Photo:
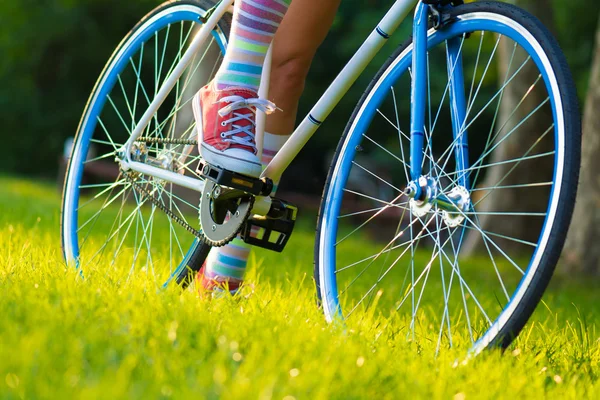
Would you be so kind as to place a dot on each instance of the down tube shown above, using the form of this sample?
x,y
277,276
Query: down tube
x,y
458,107
339,87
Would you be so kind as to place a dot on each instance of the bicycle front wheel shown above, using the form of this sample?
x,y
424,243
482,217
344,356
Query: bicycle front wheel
x,y
120,223
468,278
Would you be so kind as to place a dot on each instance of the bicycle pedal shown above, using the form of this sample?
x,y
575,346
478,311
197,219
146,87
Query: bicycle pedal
x,y
271,232
223,177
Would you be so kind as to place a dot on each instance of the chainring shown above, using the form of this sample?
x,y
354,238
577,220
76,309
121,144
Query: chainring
x,y
222,220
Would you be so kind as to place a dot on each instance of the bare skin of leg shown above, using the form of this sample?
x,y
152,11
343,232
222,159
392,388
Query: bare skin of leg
x,y
301,32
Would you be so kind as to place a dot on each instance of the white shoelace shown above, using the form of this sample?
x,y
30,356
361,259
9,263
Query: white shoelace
x,y
236,103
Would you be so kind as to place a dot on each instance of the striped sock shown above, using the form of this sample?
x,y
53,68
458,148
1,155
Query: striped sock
x,y
254,25
228,263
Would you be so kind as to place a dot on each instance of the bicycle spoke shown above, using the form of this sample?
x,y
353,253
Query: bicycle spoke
x,y
105,205
524,185
534,245
493,261
447,88
361,212
445,291
448,152
373,259
383,275
485,71
377,176
475,67
399,131
386,150
116,110
370,219
409,242
445,255
456,270
89,231
507,174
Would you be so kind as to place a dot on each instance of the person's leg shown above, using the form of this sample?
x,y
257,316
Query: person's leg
x,y
225,109
226,266
301,32
252,31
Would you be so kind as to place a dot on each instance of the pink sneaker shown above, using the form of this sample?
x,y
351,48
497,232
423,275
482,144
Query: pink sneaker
x,y
226,121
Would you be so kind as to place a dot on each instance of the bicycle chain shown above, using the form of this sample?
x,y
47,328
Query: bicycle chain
x,y
147,195
157,140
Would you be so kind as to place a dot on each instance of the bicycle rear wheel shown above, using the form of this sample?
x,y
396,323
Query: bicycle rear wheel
x,y
470,278
120,223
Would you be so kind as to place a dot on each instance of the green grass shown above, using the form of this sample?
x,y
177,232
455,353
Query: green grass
x,y
64,337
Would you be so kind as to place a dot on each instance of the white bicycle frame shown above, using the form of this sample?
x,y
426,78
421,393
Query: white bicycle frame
x,y
309,125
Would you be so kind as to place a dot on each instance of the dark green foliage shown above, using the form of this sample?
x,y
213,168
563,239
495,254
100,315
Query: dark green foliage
x,y
576,24
52,51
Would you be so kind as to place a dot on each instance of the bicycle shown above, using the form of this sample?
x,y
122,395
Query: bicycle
x,y
138,121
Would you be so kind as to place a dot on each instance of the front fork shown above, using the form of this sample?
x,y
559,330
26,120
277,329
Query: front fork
x,y
423,188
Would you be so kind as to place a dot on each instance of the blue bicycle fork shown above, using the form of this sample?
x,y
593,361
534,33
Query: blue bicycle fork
x,y
425,188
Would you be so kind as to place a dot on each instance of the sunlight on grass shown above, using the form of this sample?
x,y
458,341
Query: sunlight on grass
x,y
102,337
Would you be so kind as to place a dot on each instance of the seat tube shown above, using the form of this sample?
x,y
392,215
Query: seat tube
x,y
458,107
418,96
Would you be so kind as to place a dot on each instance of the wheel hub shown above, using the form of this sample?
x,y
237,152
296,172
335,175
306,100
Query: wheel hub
x,y
459,195
419,208
425,193
139,152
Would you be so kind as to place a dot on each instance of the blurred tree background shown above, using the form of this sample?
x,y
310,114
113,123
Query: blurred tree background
x,y
52,51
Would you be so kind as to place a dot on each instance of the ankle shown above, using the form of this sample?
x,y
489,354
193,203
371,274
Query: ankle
x,y
210,282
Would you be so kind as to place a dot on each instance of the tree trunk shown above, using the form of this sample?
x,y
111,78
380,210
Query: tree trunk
x,y
515,107
582,250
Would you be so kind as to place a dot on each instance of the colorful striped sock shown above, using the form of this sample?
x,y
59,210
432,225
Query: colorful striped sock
x,y
254,25
228,263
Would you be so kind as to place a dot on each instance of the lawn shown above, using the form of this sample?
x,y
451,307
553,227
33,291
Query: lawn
x,y
66,337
